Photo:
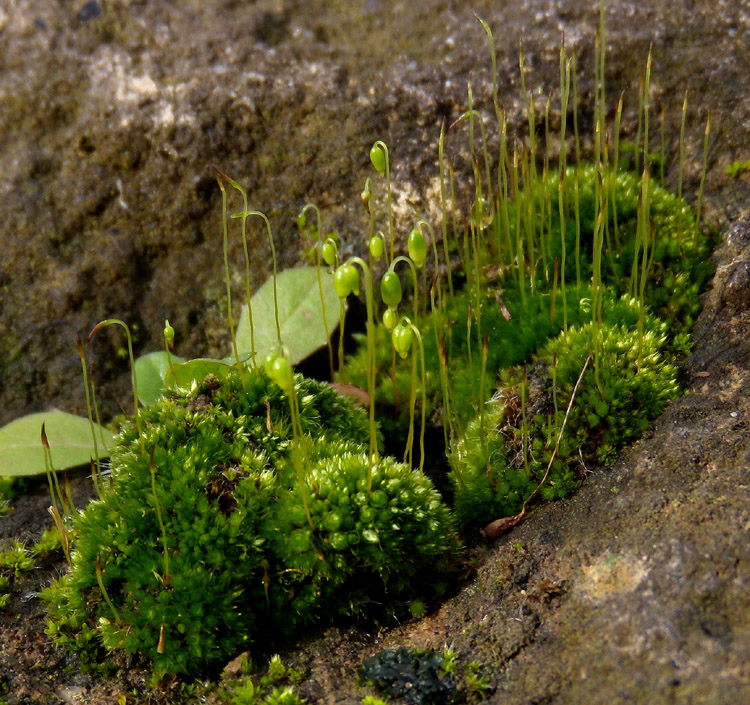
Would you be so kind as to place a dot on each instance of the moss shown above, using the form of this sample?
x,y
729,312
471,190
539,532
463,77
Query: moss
x,y
681,256
15,562
368,545
273,687
498,465
517,324
235,565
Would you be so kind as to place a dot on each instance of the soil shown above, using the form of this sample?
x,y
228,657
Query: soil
x,y
634,590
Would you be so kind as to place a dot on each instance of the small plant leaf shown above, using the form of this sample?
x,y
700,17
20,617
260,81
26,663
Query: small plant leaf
x,y
151,370
69,438
300,315
184,373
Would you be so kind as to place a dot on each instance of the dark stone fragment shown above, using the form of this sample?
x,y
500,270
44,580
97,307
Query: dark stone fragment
x,y
737,292
411,674
90,11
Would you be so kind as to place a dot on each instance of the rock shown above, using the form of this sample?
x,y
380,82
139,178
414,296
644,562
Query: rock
x,y
234,667
72,695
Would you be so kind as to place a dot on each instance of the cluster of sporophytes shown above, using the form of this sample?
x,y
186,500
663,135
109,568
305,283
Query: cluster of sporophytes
x,y
580,284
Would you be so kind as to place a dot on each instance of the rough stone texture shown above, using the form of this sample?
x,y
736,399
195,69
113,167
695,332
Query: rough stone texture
x,y
636,589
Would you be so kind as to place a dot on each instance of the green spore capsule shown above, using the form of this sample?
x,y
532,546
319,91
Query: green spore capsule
x,y
328,252
390,289
281,373
268,363
402,338
377,247
377,157
365,196
168,333
417,247
390,319
346,280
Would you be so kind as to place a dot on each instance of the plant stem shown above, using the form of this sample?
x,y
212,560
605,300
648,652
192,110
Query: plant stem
x,y
424,399
320,282
371,362
384,147
96,466
134,380
703,171
225,246
105,594
682,144
297,451
444,209
248,297
245,214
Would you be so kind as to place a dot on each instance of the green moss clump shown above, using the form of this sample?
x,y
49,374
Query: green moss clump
x,y
274,687
15,562
502,458
229,563
365,541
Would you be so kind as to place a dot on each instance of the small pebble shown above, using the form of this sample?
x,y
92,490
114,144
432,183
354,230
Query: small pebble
x,y
234,667
90,11
71,694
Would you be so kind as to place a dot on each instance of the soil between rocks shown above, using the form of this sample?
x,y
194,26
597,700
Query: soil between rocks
x,y
635,589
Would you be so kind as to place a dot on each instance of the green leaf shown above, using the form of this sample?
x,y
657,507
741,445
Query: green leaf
x,y
184,373
151,370
300,315
69,439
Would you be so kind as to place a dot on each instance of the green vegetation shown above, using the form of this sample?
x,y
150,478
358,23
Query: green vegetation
x,y
14,563
737,168
274,687
244,500
203,543
416,675
501,459
562,265
424,676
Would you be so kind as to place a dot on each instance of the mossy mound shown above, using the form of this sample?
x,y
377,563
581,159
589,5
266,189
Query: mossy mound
x,y
202,543
504,454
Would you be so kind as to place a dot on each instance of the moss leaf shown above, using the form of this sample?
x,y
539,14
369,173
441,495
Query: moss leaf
x,y
300,315
69,438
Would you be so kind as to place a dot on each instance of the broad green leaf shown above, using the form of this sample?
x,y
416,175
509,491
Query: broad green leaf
x,y
150,370
183,374
300,315
69,438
